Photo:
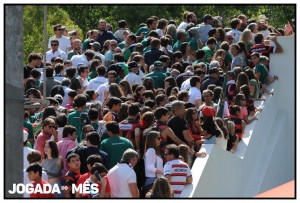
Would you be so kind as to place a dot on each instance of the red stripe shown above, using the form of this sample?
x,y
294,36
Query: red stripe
x,y
178,174
177,183
177,191
179,165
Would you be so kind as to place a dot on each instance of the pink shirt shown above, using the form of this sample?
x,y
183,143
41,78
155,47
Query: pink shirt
x,y
244,112
40,142
65,145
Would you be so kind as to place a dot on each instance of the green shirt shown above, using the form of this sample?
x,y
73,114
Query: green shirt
x,y
142,29
70,54
176,46
125,68
228,58
85,43
93,74
28,125
260,68
115,146
193,44
208,52
74,120
158,77
122,44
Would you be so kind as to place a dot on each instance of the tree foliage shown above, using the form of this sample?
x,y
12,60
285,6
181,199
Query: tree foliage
x,y
33,19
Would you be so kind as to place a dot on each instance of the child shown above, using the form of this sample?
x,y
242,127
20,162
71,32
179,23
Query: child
x,y
235,112
35,174
240,100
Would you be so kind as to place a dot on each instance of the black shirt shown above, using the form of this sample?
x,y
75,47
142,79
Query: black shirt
x,y
178,125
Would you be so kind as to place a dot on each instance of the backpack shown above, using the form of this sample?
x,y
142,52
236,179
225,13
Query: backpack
x,y
84,119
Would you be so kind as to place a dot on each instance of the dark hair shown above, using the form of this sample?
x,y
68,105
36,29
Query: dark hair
x,y
53,147
72,155
49,111
93,137
193,81
211,40
160,111
98,167
149,93
233,109
94,158
35,167
258,38
122,23
68,130
189,115
159,99
113,127
200,53
148,83
70,72
113,101
183,47
80,100
234,23
93,114
150,103
173,149
61,120
35,73
49,72
81,69
134,109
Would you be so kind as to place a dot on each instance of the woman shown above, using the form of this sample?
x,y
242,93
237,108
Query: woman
x,y
125,86
240,100
170,83
242,79
243,53
191,116
254,86
171,30
184,152
153,161
245,89
115,90
236,59
187,56
246,37
138,92
222,140
161,189
53,164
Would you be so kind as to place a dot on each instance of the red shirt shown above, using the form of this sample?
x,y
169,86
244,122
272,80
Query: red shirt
x,y
38,194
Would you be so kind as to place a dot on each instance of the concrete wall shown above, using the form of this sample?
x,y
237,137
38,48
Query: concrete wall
x,y
269,157
13,97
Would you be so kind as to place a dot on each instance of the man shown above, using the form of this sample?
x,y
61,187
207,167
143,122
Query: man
x,y
74,117
176,171
55,51
195,96
189,72
96,47
83,59
157,75
76,49
64,43
92,147
93,36
35,174
205,27
132,76
190,18
213,78
234,32
104,34
153,55
102,90
122,28
115,145
122,178
130,46
181,37
178,124
201,56
210,49
66,84
99,80
208,99
119,60
83,74
109,55
72,175
244,22
67,143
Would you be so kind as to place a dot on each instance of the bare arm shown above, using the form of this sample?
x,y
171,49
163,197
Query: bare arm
x,y
189,180
169,133
134,190
278,47
187,137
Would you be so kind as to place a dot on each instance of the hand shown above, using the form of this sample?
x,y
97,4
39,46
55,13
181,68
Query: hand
x,y
106,93
159,172
201,154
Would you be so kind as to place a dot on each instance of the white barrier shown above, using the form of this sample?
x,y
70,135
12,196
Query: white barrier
x,y
266,156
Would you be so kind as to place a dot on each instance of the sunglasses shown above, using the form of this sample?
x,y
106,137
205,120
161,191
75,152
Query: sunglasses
x,y
54,45
159,138
229,38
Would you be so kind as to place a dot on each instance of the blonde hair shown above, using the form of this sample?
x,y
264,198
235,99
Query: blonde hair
x,y
184,152
246,36
230,126
162,188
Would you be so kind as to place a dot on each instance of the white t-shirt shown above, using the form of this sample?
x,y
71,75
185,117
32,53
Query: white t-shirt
x,y
194,94
64,43
182,26
221,141
133,78
66,97
96,82
101,90
179,172
185,85
58,53
77,59
26,151
236,34
152,163
119,177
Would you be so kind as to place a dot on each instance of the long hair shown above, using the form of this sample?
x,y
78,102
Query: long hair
x,y
115,90
246,37
184,152
54,149
242,79
189,115
151,142
161,188
222,126
127,89
172,83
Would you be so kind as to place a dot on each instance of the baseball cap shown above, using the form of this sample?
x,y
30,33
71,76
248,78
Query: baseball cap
x,y
209,111
132,64
59,98
157,63
96,45
63,27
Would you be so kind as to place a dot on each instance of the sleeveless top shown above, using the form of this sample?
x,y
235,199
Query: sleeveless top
x,y
51,167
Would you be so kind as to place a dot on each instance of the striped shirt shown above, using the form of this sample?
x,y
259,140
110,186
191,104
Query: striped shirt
x,y
179,172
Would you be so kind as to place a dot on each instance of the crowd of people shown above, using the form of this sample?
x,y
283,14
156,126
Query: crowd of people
x,y
130,111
